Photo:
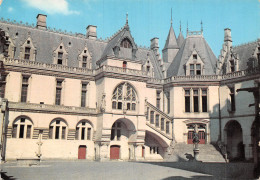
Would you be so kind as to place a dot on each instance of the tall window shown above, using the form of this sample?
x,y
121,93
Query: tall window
x,y
187,100
83,131
116,131
204,100
232,99
147,114
27,53
167,127
124,97
58,130
126,43
2,86
24,89
84,61
158,99
60,58
22,128
152,117
232,65
58,92
83,94
162,124
157,117
196,100
195,69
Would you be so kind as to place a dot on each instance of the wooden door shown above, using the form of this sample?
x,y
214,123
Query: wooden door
x,y
82,152
202,137
190,137
114,152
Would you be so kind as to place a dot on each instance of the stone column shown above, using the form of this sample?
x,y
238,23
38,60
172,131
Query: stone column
x,y
248,151
103,151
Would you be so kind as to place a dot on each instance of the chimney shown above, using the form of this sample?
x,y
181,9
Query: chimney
x,y
155,44
227,37
92,32
41,21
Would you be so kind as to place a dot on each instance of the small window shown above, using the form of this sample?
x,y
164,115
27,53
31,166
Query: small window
x,y
28,42
124,64
85,51
60,47
194,56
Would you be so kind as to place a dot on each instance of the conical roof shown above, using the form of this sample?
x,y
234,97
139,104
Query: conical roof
x,y
171,42
180,39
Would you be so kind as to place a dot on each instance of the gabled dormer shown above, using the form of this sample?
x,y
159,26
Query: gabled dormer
x,y
194,65
148,66
85,59
9,47
28,50
60,55
256,56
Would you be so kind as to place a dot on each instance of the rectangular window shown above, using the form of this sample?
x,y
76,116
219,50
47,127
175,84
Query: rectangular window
x,y
77,133
57,132
232,99
128,106
133,106
27,53
119,105
192,69
196,100
232,65
194,56
198,69
50,132
157,120
14,131
158,99
187,100
114,104
28,132
63,134
21,131
24,89
118,134
60,56
147,114
84,61
82,133
162,124
167,127
2,88
89,134
83,95
58,92
152,117
204,100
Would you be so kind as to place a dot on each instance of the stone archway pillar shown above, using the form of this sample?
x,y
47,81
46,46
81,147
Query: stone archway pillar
x,y
248,147
138,151
102,151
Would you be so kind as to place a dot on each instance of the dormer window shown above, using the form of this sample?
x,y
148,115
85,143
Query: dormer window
x,y
194,56
232,65
60,56
148,68
28,42
198,69
126,44
195,69
84,61
60,47
27,52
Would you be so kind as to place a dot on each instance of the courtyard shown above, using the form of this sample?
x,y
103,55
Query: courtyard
x,y
126,170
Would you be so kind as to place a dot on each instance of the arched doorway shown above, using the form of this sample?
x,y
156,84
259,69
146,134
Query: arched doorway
x,y
82,152
114,152
201,132
234,141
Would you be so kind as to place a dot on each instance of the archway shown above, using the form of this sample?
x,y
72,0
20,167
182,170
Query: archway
x,y
234,141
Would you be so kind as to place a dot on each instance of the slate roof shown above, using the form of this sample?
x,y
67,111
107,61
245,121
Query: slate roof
x,y
171,42
47,41
180,39
198,43
244,52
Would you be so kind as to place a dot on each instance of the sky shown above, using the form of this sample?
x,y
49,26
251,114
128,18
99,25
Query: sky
x,y
147,18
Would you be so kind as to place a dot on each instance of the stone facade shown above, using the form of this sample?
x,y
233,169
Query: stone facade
x,y
72,96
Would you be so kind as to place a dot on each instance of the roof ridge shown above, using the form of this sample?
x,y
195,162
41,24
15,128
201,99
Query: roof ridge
x,y
245,44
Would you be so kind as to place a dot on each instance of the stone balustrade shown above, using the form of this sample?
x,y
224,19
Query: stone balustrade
x,y
51,108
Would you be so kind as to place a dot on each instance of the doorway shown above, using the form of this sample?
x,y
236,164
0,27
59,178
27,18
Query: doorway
x,y
82,152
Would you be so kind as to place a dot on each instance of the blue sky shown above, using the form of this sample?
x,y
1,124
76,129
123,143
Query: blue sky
x,y
147,18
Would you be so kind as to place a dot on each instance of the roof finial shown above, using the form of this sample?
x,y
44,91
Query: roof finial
x,y
171,16
187,28
201,26
127,18
180,26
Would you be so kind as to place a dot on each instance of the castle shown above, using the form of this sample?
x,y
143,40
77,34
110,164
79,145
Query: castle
x,y
74,96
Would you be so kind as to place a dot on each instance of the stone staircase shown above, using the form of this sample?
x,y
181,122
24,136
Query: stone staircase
x,y
184,152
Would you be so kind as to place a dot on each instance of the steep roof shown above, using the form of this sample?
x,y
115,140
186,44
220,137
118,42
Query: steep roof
x,y
198,43
180,39
245,51
171,42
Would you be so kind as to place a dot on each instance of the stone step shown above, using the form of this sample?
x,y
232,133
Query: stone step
x,y
184,152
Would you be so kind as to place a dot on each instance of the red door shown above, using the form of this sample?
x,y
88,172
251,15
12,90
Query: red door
x,y
82,152
190,137
202,137
114,152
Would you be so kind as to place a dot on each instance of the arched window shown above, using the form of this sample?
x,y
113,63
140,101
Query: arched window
x,y
22,128
58,129
126,43
124,97
83,131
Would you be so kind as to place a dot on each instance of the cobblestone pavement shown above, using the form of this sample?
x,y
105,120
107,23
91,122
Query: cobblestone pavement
x,y
73,170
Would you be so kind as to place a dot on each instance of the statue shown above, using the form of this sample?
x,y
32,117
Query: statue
x,y
103,103
196,142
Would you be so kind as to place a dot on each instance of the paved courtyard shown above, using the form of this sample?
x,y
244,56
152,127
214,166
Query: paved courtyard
x,y
64,170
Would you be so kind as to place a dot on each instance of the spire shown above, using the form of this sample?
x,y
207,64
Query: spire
x,y
180,26
201,26
126,18
187,29
171,16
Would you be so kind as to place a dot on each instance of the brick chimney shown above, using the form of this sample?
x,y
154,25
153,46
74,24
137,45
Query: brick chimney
x,y
155,44
92,32
41,21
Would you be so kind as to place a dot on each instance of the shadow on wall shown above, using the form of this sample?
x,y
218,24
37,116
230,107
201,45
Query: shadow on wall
x,y
213,170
